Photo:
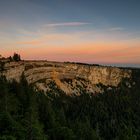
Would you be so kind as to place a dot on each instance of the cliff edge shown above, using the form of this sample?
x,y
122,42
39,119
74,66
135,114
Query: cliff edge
x,y
69,77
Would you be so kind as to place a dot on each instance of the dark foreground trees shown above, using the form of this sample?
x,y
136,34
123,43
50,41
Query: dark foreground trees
x,y
28,115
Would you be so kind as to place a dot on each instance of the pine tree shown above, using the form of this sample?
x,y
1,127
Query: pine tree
x,y
16,57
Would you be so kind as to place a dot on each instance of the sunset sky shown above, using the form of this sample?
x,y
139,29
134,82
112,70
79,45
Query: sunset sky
x,y
92,31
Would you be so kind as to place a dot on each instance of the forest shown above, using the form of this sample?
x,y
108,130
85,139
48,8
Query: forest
x,y
27,114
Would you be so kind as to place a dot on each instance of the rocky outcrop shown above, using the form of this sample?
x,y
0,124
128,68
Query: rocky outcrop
x,y
67,76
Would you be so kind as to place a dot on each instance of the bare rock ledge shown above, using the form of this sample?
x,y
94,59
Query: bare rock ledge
x,y
65,75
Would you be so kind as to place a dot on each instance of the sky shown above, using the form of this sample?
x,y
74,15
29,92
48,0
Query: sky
x,y
89,31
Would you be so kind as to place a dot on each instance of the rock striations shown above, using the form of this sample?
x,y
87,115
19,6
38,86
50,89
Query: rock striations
x,y
69,77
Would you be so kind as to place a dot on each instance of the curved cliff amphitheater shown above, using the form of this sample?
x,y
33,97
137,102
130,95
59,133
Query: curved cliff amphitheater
x,y
69,77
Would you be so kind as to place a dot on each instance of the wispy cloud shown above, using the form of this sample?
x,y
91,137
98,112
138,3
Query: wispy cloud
x,y
116,29
66,24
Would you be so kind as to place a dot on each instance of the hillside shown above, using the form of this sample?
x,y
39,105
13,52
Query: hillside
x,y
69,69
71,78
39,101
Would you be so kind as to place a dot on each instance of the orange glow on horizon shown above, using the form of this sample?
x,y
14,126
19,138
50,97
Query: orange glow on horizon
x,y
88,52
75,47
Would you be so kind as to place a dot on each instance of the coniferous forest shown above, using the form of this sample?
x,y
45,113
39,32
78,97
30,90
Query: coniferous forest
x,y
26,114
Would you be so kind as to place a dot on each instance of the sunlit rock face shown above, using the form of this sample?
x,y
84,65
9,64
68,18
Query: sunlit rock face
x,y
71,78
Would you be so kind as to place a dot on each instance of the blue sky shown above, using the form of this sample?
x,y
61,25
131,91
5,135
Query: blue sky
x,y
31,24
101,13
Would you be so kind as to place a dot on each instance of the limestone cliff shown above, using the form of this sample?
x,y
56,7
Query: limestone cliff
x,y
69,77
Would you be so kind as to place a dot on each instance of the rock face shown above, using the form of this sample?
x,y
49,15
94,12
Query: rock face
x,y
69,77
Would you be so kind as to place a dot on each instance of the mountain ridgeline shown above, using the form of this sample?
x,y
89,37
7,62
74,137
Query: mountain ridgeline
x,y
41,100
